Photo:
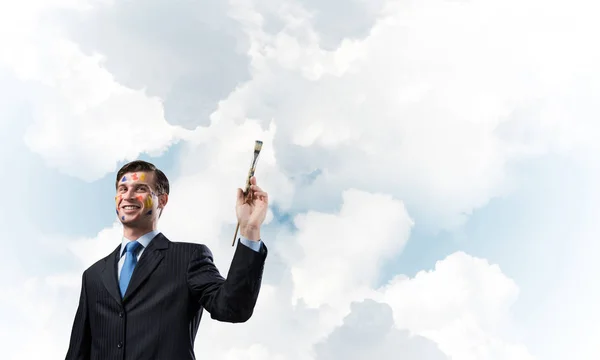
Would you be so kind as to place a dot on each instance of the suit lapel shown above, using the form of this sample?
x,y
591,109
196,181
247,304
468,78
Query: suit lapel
x,y
109,275
151,257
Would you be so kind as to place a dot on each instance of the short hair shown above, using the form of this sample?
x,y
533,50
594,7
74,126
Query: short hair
x,y
161,183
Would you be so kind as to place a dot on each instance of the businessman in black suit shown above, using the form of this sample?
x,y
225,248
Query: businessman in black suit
x,y
145,300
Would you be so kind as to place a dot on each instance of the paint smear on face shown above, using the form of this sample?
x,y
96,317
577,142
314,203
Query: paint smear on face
x,y
140,198
117,199
143,177
149,212
134,177
124,179
123,218
148,203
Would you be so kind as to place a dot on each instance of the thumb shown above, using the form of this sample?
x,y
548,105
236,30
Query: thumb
x,y
240,196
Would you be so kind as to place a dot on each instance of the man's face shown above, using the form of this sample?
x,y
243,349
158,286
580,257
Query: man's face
x,y
136,201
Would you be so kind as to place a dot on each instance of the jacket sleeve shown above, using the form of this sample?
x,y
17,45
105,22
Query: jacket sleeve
x,y
80,342
231,299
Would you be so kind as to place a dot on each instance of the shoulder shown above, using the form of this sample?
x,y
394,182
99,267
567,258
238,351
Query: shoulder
x,y
98,267
188,250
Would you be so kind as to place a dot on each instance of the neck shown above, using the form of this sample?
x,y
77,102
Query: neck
x,y
134,233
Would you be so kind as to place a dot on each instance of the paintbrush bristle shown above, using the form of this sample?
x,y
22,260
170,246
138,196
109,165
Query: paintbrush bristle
x,y
257,145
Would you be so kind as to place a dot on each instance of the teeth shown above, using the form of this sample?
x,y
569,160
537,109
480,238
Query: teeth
x,y
129,207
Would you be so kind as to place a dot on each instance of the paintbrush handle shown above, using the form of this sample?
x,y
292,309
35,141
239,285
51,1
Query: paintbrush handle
x,y
246,193
257,148
238,225
250,174
235,235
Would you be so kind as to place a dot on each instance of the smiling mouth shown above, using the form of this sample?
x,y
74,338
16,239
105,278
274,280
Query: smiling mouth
x,y
130,207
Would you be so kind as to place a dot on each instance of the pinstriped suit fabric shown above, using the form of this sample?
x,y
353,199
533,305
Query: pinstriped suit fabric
x,y
159,315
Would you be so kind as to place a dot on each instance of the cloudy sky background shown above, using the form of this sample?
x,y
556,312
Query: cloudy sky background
x,y
432,167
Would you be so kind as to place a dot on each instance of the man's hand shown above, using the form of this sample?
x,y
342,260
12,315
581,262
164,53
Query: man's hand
x,y
251,210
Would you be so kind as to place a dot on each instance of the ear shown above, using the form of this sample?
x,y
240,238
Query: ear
x,y
163,200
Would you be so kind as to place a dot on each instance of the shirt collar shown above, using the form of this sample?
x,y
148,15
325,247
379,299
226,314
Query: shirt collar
x,y
144,240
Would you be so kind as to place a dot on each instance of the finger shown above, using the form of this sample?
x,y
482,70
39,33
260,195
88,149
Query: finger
x,y
261,198
240,198
255,188
258,194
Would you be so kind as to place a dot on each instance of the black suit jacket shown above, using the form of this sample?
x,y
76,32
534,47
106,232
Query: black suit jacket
x,y
159,315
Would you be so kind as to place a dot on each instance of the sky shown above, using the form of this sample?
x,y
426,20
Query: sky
x,y
431,167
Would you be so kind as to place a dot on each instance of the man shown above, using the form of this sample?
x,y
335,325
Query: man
x,y
145,299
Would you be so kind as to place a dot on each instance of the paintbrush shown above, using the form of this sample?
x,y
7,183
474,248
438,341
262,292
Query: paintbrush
x,y
257,148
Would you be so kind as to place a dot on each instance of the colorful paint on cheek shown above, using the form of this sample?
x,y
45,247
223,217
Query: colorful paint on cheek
x,y
123,218
140,198
148,203
149,212
117,199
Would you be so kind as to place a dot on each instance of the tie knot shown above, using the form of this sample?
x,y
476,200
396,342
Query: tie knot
x,y
132,246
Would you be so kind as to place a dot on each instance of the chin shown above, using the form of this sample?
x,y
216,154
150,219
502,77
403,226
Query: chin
x,y
129,218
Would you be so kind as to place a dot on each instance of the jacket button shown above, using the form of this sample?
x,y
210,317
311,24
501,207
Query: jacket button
x,y
120,345
121,314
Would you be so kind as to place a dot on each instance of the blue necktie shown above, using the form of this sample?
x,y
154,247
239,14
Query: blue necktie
x,y
128,265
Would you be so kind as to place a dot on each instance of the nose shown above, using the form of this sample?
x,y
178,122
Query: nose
x,y
129,194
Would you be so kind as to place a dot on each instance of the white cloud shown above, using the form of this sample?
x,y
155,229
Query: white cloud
x,y
370,105
214,163
88,251
337,258
431,107
429,79
313,275
463,305
41,309
433,305
84,121
562,322
368,333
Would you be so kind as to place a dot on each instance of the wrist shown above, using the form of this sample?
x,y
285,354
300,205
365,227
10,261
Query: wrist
x,y
251,233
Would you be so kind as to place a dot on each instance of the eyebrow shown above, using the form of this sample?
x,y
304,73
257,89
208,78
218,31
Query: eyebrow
x,y
135,185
